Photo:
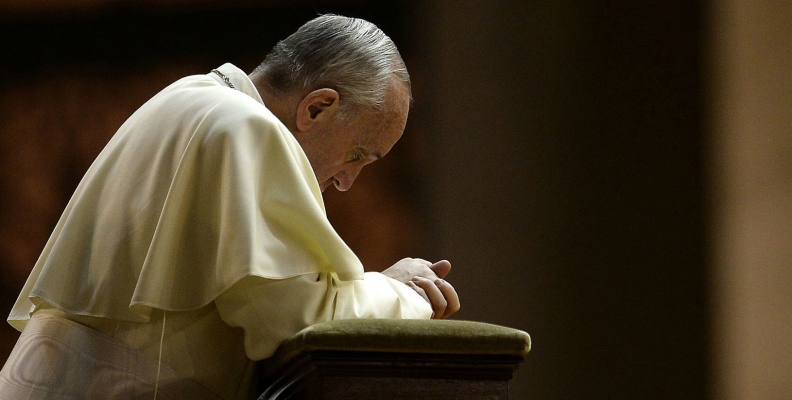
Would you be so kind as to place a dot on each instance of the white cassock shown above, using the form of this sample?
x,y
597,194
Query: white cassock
x,y
196,243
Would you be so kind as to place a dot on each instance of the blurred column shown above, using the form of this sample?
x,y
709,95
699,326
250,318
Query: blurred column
x,y
751,160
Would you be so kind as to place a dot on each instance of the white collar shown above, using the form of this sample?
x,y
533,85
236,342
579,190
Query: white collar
x,y
240,80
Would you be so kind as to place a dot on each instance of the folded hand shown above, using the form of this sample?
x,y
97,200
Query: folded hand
x,y
427,280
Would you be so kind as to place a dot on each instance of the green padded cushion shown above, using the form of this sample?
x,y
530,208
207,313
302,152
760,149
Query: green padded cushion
x,y
405,336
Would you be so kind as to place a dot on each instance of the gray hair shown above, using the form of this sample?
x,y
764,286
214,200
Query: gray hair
x,y
349,55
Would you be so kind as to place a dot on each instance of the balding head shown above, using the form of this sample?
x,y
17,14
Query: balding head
x,y
348,55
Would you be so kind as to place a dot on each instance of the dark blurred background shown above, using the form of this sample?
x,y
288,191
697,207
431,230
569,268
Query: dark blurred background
x,y
613,177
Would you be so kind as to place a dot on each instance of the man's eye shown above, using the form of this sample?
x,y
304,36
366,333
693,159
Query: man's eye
x,y
356,157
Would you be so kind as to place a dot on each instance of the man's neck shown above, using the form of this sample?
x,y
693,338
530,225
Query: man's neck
x,y
283,107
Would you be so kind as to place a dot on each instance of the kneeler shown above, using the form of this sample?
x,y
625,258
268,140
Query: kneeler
x,y
395,359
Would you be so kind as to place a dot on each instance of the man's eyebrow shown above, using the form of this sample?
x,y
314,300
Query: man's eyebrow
x,y
366,151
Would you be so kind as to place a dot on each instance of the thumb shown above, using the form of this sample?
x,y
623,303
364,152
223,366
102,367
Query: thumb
x,y
441,268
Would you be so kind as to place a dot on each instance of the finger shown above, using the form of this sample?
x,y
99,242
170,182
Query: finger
x,y
441,268
418,290
425,271
428,274
450,294
435,296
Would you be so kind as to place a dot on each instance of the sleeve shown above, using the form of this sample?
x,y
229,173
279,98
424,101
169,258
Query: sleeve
x,y
271,311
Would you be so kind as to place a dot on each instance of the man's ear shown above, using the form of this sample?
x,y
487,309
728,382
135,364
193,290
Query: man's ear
x,y
318,106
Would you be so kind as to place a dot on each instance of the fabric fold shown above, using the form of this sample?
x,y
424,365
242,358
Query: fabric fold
x,y
201,187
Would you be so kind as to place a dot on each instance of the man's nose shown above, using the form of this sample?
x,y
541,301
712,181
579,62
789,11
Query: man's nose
x,y
345,178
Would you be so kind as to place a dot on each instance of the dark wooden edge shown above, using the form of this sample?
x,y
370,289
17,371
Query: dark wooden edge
x,y
310,366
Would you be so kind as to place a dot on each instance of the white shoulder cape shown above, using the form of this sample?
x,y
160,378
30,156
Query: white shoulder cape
x,y
199,188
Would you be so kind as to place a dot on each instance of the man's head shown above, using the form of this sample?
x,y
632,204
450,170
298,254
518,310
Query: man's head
x,y
341,87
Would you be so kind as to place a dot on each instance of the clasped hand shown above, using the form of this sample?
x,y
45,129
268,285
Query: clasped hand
x,y
427,280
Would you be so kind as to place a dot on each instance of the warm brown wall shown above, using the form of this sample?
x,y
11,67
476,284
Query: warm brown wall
x,y
750,52
555,154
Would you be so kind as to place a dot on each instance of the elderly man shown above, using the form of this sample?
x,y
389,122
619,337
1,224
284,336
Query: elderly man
x,y
198,241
